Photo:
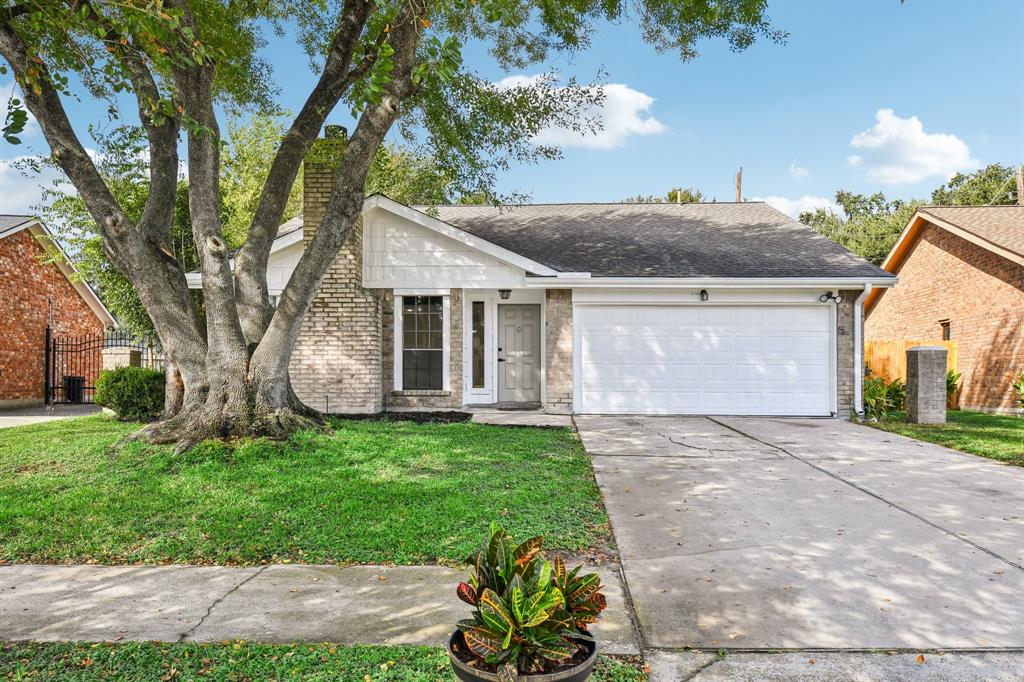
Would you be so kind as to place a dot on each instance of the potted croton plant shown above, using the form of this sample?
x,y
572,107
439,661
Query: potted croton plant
x,y
530,616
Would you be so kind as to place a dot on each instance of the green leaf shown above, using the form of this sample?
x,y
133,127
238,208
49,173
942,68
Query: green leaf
x,y
481,642
586,586
527,550
494,613
508,672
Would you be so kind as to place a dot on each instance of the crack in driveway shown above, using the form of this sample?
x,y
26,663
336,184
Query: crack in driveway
x,y
871,493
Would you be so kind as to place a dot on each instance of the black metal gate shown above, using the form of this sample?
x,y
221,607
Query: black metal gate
x,y
73,363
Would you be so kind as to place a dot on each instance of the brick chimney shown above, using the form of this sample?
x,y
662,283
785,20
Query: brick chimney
x,y
336,365
318,177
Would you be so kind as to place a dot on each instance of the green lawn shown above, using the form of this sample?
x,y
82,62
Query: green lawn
x,y
366,492
148,661
998,437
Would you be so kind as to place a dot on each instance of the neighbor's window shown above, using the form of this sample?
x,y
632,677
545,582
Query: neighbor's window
x,y
478,344
945,329
422,343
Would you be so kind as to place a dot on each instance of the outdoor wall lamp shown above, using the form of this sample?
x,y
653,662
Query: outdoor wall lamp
x,y
703,294
504,293
830,296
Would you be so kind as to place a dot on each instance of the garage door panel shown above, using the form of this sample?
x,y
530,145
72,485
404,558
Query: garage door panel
x,y
705,359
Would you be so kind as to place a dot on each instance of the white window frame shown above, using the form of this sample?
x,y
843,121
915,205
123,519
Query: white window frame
x,y
446,334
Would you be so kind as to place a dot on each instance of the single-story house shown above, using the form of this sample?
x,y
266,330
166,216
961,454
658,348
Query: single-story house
x,y
39,288
715,308
961,271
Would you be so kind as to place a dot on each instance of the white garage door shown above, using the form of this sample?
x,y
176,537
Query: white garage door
x,y
754,360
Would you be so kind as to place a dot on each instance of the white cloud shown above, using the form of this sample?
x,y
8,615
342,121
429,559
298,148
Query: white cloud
x,y
898,150
796,171
623,114
21,189
794,207
18,193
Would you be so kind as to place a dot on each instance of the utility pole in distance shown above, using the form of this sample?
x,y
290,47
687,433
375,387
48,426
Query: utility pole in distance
x,y
739,185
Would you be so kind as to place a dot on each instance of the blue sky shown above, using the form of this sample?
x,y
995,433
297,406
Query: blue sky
x,y
865,96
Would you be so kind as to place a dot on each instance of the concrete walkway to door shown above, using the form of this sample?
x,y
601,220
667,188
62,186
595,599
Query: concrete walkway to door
x,y
755,533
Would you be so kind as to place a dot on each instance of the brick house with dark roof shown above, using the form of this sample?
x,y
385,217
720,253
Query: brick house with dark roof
x,y
961,273
38,287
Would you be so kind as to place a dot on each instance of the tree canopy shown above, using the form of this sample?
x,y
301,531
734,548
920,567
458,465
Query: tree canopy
x,y
870,224
391,63
677,195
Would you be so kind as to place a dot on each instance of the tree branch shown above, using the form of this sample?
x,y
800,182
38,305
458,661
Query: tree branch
x,y
158,279
158,211
251,260
345,205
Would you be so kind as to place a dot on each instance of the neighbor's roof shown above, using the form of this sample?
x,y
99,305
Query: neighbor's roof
x,y
9,224
743,240
12,224
999,225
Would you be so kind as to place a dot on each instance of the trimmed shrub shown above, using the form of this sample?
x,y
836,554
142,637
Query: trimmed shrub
x,y
133,393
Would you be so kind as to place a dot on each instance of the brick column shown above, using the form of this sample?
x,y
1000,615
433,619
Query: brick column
x,y
926,385
121,357
558,351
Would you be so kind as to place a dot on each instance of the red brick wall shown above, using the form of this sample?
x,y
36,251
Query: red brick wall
x,y
27,286
979,292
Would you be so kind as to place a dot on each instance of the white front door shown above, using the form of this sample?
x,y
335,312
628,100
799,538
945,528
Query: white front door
x,y
519,353
672,359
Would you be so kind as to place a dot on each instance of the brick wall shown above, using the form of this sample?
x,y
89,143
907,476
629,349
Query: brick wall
x,y
558,351
336,364
845,359
436,400
27,289
982,296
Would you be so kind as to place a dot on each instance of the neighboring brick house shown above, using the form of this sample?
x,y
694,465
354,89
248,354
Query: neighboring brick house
x,y
589,308
961,273
37,288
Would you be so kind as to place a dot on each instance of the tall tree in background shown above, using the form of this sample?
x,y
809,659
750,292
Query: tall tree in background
x,y
397,61
869,225
992,185
678,195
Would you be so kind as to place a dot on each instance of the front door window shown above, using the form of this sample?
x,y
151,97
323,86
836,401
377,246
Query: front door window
x,y
479,345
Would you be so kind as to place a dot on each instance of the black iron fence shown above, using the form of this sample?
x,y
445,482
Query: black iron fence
x,y
73,363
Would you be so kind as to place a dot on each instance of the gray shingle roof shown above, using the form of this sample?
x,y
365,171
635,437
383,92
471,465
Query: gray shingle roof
x,y
749,239
8,221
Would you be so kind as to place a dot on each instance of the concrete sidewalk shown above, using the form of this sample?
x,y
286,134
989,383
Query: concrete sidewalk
x,y
276,603
22,416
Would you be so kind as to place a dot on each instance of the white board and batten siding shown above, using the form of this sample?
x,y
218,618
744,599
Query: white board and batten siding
x,y
705,359
398,253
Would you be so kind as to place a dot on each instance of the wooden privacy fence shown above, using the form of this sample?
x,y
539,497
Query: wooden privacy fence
x,y
889,358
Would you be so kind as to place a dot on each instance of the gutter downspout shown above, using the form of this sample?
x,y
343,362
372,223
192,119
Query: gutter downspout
x,y
858,351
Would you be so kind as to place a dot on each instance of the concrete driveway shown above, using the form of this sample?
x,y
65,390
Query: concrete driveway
x,y
754,533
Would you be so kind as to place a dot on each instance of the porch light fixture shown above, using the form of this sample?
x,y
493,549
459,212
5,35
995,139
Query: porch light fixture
x,y
504,293
829,296
703,294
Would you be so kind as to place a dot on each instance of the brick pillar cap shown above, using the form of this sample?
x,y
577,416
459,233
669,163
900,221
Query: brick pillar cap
x,y
926,349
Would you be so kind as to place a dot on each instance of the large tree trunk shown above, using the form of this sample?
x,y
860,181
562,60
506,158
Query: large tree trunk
x,y
233,381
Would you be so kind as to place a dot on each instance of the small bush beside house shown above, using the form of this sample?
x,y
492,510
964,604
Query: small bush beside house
x,y
133,393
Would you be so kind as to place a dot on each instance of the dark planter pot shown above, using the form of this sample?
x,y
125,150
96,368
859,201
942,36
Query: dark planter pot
x,y
465,673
